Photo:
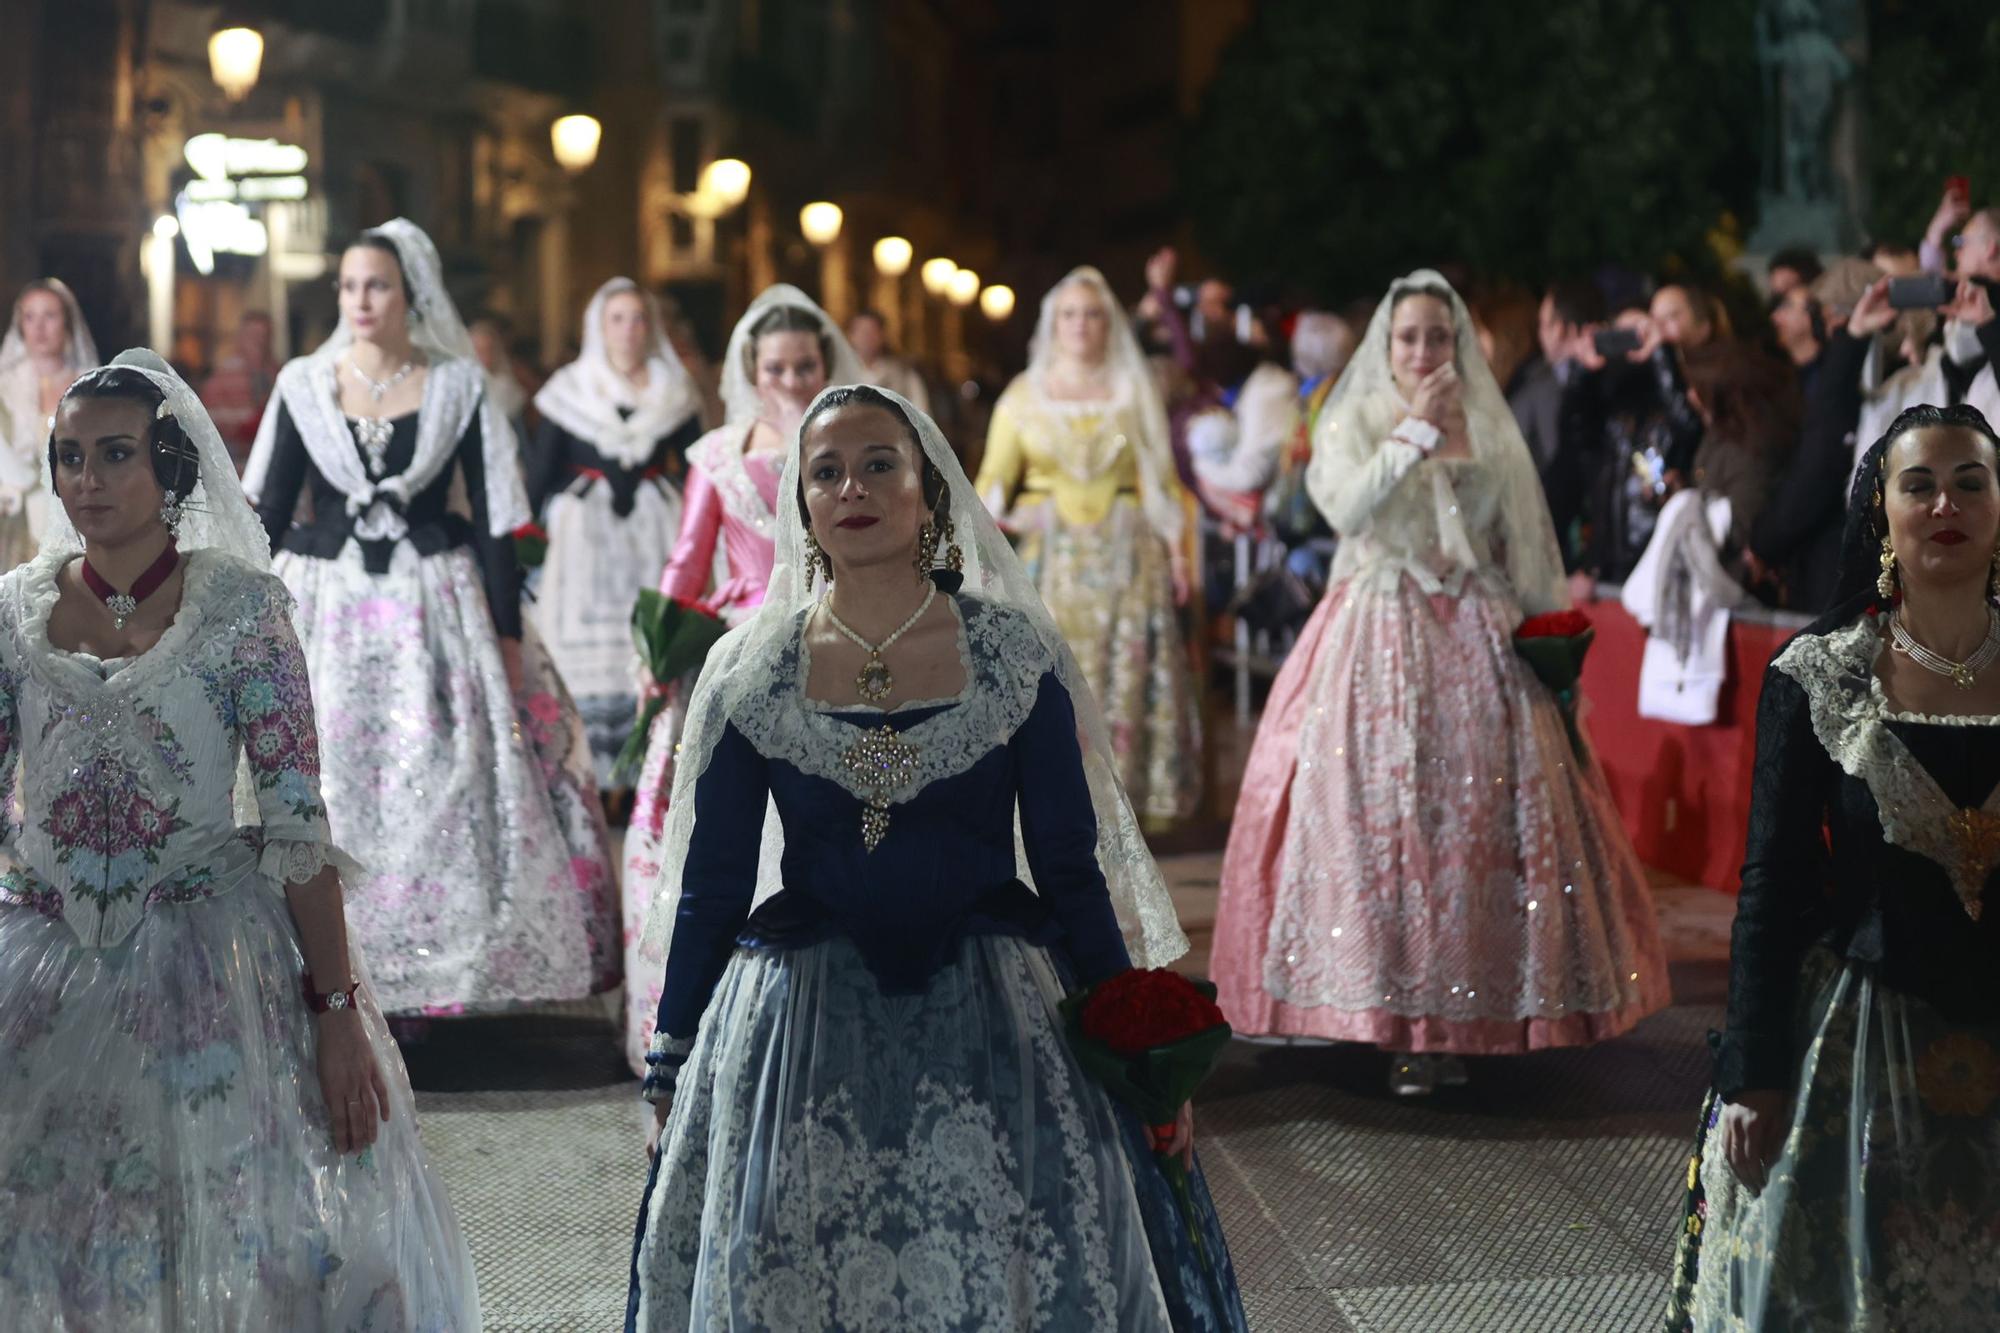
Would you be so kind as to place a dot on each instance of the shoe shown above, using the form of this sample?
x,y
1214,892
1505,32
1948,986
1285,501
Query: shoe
x,y
1412,1075
1451,1072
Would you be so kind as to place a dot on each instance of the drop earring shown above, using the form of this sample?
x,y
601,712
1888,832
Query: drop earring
x,y
172,507
1885,583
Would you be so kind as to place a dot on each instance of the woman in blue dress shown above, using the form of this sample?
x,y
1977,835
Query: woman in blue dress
x,y
896,841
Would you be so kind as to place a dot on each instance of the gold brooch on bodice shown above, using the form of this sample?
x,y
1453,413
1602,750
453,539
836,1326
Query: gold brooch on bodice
x,y
1975,838
882,761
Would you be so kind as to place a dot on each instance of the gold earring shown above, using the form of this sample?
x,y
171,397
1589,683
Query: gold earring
x,y
927,544
954,558
1885,583
814,555
1993,579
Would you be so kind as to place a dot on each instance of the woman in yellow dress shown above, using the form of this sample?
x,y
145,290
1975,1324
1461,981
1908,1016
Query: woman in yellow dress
x,y
1079,468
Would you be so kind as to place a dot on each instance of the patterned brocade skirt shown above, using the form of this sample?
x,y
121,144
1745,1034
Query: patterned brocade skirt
x,y
1109,588
1418,860
475,816
1882,1210
841,1159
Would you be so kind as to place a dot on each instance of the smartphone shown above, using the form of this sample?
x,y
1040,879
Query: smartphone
x,y
1924,291
1246,325
1613,344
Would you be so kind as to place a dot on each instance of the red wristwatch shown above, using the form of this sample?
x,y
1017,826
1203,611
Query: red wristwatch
x,y
339,999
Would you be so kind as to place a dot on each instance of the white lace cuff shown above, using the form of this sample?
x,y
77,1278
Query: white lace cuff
x,y
1418,433
294,861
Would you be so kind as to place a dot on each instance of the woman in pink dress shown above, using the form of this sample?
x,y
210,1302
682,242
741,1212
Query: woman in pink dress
x,y
1418,859
782,353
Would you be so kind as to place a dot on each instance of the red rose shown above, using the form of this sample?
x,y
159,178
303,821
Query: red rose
x,y
1553,625
531,532
1146,1007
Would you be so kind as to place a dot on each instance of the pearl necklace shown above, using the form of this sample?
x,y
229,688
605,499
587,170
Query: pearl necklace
x,y
1962,673
874,683
380,388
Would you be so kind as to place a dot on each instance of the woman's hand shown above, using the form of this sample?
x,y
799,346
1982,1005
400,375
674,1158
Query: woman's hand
x,y
1582,588
1437,397
661,1110
1177,573
1181,1145
1872,313
1970,304
357,1098
1753,1132
510,658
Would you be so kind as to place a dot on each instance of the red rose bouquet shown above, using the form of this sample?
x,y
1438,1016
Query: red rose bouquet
x,y
1150,1036
531,545
673,637
1554,644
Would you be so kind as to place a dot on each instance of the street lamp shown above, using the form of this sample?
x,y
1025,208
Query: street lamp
x,y
964,288
235,55
575,140
936,275
892,256
997,302
726,181
820,222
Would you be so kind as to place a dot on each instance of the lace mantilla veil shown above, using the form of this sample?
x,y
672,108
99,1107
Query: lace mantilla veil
x,y
740,403
1527,546
743,682
20,405
79,352
1133,373
583,396
437,332
215,516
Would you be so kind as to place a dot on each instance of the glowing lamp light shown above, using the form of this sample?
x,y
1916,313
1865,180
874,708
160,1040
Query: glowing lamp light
x,y
575,140
936,274
235,55
166,226
964,288
726,181
820,222
892,256
997,302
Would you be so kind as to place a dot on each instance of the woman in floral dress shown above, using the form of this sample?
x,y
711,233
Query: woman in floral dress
x,y
204,1124
1849,1171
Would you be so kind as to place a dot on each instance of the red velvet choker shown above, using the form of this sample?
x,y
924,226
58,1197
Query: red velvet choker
x,y
123,604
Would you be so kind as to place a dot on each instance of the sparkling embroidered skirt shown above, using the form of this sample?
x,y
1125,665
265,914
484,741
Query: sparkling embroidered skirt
x,y
166,1159
596,565
1110,591
488,863
841,1159
1882,1210
1417,859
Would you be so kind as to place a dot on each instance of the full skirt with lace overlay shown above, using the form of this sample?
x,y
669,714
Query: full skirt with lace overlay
x,y
1418,859
598,560
488,866
1882,1208
839,1158
1109,588
166,1157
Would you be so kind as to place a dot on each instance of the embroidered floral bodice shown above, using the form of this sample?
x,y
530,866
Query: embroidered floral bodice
x,y
1873,831
129,767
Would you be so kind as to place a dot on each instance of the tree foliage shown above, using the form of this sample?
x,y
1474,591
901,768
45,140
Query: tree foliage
x,y
1932,84
1346,141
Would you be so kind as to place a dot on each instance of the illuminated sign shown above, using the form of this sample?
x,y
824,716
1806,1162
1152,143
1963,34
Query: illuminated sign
x,y
230,174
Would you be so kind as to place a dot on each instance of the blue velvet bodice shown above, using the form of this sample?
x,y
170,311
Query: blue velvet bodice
x,y
944,869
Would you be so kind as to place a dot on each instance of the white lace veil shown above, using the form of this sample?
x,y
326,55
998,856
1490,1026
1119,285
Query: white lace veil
x,y
740,403
741,667
1526,543
1131,373
583,396
215,516
437,331
79,352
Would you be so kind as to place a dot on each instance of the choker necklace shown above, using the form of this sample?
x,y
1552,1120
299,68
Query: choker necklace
x,y
1962,673
123,604
874,682
380,388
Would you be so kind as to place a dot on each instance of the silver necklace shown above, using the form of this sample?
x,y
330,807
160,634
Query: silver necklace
x,y
874,683
380,388
1962,674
